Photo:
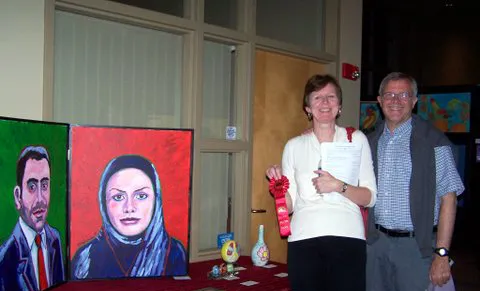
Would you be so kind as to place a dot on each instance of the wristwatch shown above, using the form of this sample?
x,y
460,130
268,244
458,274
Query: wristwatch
x,y
344,187
442,252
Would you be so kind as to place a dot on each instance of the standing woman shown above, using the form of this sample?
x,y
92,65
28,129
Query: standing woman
x,y
326,248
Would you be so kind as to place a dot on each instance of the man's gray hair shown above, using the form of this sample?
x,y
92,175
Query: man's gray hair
x,y
397,76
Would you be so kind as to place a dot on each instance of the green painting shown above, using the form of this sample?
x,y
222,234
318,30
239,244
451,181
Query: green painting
x,y
33,165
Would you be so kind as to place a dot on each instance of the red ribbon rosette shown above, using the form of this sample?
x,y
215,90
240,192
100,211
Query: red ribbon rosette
x,y
279,188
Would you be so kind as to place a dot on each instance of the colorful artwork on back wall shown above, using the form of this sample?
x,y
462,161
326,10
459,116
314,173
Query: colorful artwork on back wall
x,y
370,115
33,165
449,112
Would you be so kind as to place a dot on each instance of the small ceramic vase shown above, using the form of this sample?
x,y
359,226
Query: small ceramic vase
x,y
260,252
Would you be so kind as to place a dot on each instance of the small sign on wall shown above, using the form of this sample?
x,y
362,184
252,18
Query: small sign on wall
x,y
223,237
231,132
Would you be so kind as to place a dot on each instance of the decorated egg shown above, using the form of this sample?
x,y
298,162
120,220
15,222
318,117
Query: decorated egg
x,y
216,271
230,251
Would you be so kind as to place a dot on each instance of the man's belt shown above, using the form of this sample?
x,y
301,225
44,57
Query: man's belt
x,y
398,233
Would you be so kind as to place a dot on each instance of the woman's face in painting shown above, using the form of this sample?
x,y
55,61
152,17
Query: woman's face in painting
x,y
130,201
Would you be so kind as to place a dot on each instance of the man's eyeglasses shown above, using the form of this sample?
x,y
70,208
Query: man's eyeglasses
x,y
402,96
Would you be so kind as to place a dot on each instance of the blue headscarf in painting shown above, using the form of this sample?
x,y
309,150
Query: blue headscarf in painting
x,y
151,258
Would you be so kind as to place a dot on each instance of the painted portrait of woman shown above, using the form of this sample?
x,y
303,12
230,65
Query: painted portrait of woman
x,y
132,240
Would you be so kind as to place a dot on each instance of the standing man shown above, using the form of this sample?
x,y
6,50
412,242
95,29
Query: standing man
x,y
31,258
411,225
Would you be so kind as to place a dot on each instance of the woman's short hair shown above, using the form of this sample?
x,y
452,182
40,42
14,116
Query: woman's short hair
x,y
318,82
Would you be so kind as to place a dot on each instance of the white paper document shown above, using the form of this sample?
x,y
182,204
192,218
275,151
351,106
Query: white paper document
x,y
182,278
249,283
342,160
269,266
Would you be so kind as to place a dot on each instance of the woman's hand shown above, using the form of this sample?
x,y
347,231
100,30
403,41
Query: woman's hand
x,y
274,171
326,183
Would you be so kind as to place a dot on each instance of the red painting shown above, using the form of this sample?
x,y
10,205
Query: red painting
x,y
110,207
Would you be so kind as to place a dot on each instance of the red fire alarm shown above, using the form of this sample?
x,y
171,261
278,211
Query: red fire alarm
x,y
350,72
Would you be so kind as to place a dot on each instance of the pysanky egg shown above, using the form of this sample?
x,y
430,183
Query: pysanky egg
x,y
230,251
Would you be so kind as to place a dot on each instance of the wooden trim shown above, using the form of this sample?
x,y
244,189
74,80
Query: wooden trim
x,y
196,94
292,50
222,146
127,14
225,33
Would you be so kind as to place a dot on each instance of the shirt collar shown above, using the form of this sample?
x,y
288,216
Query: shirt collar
x,y
317,144
30,233
403,128
336,135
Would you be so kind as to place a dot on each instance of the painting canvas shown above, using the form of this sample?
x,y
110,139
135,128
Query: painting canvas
x,y
449,112
370,114
129,202
33,206
477,154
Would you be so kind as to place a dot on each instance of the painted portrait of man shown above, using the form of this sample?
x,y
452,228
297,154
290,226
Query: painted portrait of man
x,y
31,258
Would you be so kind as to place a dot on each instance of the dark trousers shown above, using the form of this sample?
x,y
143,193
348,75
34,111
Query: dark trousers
x,y
396,264
327,263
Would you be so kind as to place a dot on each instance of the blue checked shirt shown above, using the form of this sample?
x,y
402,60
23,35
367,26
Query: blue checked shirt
x,y
392,209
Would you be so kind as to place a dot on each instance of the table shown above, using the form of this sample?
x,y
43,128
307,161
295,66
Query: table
x,y
198,273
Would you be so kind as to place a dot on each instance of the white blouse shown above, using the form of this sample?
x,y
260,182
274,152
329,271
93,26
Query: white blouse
x,y
330,214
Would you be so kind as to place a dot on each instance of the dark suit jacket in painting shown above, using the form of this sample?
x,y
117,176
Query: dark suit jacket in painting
x,y
16,267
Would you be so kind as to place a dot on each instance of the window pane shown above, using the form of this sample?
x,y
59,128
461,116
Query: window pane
x,y
108,73
221,12
215,194
218,95
173,7
296,22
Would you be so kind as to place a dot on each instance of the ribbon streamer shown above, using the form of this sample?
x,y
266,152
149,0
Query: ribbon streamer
x,y
279,188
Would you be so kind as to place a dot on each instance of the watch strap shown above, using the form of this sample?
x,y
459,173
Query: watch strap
x,y
442,252
344,187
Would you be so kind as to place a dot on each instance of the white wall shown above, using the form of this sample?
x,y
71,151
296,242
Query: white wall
x,y
350,51
21,58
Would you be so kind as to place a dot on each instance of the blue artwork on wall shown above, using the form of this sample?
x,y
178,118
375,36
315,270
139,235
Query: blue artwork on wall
x,y
449,112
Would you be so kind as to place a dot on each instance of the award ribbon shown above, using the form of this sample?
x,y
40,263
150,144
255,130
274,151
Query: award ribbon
x,y
279,188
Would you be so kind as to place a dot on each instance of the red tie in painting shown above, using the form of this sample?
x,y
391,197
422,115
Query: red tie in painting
x,y
42,273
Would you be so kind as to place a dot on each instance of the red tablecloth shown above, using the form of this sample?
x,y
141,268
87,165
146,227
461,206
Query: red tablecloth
x,y
198,273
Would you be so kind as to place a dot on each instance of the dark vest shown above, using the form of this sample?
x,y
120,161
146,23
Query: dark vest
x,y
425,137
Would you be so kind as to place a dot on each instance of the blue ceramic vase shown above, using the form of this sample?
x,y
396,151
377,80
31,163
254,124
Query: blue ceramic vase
x,y
260,252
